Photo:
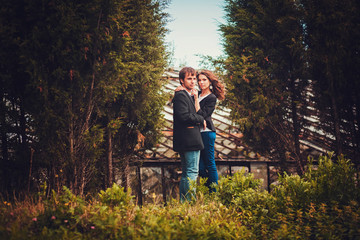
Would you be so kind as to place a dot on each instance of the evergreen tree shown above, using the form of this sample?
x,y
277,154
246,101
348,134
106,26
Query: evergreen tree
x,y
264,44
332,33
133,105
15,124
90,77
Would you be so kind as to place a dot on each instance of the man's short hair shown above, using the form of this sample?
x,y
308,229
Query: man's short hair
x,y
186,70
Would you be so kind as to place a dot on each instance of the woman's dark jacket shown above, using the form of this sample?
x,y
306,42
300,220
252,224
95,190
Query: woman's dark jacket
x,y
207,107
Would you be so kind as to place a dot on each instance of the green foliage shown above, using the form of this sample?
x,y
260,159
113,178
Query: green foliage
x,y
73,71
61,211
259,203
201,189
277,52
333,180
229,187
295,190
332,31
115,196
265,70
239,209
326,183
194,220
14,121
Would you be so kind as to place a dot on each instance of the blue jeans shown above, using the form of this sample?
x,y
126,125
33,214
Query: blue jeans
x,y
207,166
190,171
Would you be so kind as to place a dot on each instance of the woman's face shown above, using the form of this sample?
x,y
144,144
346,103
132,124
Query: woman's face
x,y
203,82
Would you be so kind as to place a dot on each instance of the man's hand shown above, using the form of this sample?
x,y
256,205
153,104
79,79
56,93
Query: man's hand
x,y
204,124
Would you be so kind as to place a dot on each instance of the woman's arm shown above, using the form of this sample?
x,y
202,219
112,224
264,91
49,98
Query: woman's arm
x,y
208,106
194,93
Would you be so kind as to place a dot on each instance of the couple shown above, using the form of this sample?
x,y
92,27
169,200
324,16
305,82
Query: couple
x,y
192,114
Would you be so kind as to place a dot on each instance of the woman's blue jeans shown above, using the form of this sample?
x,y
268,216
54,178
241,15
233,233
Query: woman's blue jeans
x,y
190,171
207,166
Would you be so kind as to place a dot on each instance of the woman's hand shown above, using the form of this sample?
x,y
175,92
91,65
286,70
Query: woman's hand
x,y
179,88
194,92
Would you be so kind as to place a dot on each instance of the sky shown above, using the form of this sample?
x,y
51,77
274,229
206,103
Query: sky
x,y
193,29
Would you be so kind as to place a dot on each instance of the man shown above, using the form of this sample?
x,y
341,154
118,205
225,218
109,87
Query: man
x,y
187,138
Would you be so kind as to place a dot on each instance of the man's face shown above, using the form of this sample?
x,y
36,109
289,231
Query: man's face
x,y
189,82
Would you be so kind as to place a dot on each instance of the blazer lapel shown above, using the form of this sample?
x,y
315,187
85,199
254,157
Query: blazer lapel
x,y
191,100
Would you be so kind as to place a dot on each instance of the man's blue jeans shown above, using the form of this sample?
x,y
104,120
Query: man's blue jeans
x,y
190,170
207,166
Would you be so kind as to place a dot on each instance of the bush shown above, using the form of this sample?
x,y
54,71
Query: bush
x,y
191,220
239,209
293,190
313,206
115,196
316,205
230,186
62,213
327,182
333,180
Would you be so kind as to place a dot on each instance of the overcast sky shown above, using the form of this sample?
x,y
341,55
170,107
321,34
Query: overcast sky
x,y
194,30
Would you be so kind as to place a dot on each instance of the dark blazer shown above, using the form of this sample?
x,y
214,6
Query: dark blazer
x,y
207,107
187,124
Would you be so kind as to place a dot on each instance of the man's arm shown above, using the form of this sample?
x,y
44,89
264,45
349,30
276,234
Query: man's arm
x,y
181,111
194,93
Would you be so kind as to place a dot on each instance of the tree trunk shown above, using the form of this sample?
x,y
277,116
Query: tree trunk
x,y
4,146
30,168
25,153
125,173
296,128
72,172
282,158
82,181
336,123
356,122
110,170
334,109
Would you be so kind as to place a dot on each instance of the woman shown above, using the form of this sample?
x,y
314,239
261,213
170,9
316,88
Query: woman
x,y
211,89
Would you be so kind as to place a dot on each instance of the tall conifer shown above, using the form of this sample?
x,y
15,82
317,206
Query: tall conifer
x,y
91,84
264,44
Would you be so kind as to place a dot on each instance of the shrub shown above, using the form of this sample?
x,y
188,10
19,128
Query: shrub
x,y
333,180
63,212
115,196
239,209
230,186
293,190
327,182
190,220
322,204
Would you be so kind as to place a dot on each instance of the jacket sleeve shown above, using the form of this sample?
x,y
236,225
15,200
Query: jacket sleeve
x,y
208,107
181,110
